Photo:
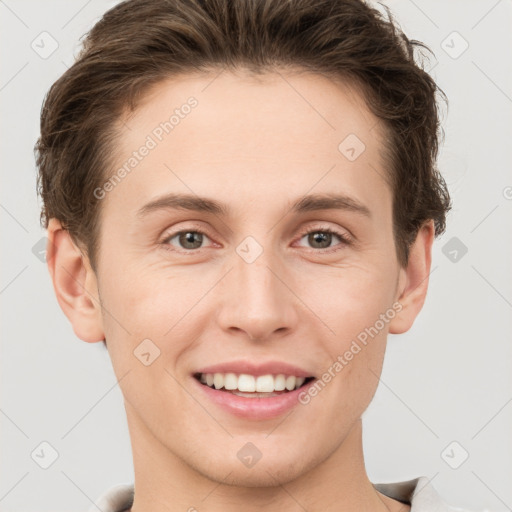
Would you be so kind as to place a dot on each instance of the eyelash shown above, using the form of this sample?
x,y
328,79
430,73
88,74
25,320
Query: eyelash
x,y
345,238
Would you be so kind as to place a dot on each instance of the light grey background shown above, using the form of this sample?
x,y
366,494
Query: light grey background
x,y
447,380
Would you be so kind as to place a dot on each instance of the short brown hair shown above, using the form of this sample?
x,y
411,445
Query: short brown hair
x,y
138,43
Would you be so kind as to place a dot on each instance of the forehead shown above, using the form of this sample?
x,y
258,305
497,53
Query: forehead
x,y
224,133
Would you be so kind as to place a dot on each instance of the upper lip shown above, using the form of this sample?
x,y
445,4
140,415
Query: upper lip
x,y
256,369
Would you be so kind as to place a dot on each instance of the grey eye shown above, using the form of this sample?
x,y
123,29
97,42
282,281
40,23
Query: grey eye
x,y
188,239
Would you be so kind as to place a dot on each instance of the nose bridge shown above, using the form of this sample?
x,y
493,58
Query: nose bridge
x,y
257,302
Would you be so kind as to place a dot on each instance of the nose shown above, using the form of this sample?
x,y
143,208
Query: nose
x,y
257,299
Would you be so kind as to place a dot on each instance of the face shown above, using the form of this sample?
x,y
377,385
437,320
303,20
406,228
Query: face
x,y
250,245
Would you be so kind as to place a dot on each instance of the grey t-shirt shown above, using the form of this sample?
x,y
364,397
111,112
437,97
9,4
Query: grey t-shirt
x,y
418,493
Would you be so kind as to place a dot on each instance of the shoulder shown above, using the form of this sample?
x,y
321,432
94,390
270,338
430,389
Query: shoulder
x,y
419,493
118,498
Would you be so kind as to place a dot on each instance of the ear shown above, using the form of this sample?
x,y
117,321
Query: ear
x,y
413,280
74,283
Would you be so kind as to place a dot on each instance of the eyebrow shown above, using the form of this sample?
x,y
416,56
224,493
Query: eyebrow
x,y
308,203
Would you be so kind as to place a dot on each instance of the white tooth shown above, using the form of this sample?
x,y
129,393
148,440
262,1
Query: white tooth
x,y
280,382
265,384
246,383
230,381
218,380
250,384
290,383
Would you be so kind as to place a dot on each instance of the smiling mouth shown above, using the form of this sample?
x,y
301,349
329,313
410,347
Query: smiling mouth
x,y
250,386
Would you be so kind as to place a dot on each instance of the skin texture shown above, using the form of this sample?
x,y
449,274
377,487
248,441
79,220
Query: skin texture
x,y
256,145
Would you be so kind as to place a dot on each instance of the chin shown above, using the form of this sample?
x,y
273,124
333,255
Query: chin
x,y
263,476
267,472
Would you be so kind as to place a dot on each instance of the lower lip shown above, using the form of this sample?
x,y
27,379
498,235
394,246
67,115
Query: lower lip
x,y
254,408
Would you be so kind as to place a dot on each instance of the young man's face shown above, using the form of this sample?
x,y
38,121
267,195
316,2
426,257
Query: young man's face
x,y
248,291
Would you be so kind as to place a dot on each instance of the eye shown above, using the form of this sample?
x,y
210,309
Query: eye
x,y
188,240
321,238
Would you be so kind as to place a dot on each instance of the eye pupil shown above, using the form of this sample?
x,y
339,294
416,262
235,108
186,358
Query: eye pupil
x,y
191,240
188,237
321,237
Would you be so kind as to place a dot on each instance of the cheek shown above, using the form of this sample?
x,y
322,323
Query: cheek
x,y
351,374
147,327
169,307
349,300
151,300
357,306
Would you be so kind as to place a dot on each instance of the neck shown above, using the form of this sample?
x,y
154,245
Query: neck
x,y
165,483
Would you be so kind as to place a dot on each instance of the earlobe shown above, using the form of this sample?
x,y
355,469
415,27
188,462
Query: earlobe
x,y
74,283
413,280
